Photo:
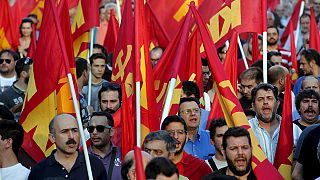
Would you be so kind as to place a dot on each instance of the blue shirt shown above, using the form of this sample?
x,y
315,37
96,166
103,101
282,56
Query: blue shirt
x,y
201,147
204,119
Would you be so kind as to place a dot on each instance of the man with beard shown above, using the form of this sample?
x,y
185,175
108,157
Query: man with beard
x,y
272,45
66,161
266,124
237,149
188,165
308,104
101,130
310,65
14,96
8,60
110,97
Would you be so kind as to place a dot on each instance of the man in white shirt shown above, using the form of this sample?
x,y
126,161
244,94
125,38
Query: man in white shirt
x,y
8,60
11,139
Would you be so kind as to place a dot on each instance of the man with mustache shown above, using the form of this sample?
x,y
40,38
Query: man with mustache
x,y
66,161
188,165
307,103
110,97
101,130
8,60
266,124
237,149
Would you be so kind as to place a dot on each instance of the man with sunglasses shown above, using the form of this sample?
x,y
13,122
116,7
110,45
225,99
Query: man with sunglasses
x,y
7,64
110,97
101,130
198,141
13,97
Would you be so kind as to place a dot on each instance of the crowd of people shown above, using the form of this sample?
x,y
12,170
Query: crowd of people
x,y
188,145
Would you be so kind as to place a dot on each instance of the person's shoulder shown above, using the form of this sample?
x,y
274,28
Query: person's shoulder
x,y
38,169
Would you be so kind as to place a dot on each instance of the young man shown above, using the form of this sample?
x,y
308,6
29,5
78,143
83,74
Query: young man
x,y
188,165
110,97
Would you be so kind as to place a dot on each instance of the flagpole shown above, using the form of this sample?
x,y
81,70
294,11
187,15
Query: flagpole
x,y
167,104
242,53
264,42
73,93
298,25
138,114
119,11
90,74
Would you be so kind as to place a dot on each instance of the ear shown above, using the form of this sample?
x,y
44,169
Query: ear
x,y
52,138
223,152
171,156
111,132
24,74
212,142
8,143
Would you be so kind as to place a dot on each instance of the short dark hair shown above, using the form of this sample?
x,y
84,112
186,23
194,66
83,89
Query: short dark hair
x,y
105,114
98,46
23,64
25,20
235,132
214,124
5,113
190,87
110,86
253,73
81,66
275,73
163,136
275,27
204,62
125,168
311,54
171,119
264,86
12,129
11,52
188,99
160,165
304,15
97,56
307,93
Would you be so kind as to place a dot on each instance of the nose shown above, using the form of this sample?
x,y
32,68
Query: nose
x,y
70,135
240,151
109,105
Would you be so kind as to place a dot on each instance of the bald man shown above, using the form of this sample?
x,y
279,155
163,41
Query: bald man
x,y
66,161
128,170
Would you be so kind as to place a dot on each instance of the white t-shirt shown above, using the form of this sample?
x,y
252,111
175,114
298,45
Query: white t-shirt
x,y
16,172
6,82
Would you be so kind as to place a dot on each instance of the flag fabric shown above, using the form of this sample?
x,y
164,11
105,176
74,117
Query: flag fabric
x,y
255,47
4,23
284,152
262,168
294,20
230,67
46,95
139,164
272,4
33,44
314,32
112,33
294,70
87,16
173,64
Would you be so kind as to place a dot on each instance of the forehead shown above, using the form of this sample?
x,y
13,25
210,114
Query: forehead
x,y
237,141
310,82
156,144
305,19
175,126
99,120
26,24
309,98
263,93
65,123
110,94
205,68
247,82
271,30
99,61
221,130
189,104
6,55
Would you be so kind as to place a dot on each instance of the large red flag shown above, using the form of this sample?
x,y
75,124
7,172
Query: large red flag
x,y
272,4
294,73
283,156
230,66
48,91
294,20
87,16
263,169
33,44
112,33
314,32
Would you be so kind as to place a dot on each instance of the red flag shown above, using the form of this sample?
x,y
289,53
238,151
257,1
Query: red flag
x,y
139,164
314,32
230,104
294,69
294,20
87,16
255,47
230,67
46,95
173,64
33,44
283,156
272,4
112,33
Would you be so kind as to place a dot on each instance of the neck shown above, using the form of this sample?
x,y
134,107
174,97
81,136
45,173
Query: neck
x,y
101,151
8,159
96,80
192,133
177,157
272,47
219,156
21,85
308,123
316,71
62,157
244,177
271,126
8,75
80,84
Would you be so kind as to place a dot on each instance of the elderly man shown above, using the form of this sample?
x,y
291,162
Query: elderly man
x,y
66,161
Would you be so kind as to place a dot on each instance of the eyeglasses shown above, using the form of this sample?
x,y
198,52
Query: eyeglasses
x,y
206,73
99,128
8,61
189,111
113,86
179,132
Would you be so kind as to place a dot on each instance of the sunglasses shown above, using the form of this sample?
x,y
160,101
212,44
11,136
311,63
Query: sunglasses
x,y
8,61
27,61
113,86
99,128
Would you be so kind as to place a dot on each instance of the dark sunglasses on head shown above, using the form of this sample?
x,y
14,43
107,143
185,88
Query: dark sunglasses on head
x,y
8,61
111,85
27,61
99,128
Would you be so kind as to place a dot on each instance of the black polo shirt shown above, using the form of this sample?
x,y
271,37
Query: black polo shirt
x,y
49,168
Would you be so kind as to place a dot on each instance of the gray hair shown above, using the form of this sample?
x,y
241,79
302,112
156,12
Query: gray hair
x,y
163,136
